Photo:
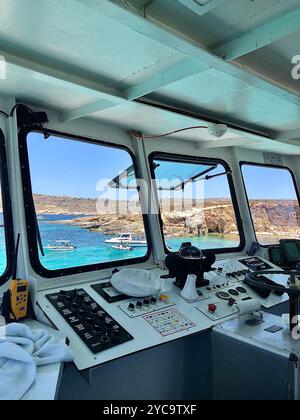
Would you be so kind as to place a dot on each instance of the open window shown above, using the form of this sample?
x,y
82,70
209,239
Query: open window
x,y
79,219
274,202
197,203
6,224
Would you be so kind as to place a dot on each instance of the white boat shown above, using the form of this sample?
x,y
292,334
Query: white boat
x,y
127,238
123,247
61,245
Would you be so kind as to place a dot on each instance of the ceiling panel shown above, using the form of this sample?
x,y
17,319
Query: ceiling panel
x,y
70,34
275,61
215,92
222,24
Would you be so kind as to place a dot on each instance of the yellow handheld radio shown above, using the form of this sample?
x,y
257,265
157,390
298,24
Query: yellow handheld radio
x,y
18,293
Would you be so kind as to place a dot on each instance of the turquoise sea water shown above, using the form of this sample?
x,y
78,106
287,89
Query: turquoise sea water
x,y
91,246
92,249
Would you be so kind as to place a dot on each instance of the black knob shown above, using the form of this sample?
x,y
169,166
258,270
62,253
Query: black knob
x,y
94,311
75,305
153,300
117,331
97,328
105,339
67,297
146,302
82,311
131,307
139,305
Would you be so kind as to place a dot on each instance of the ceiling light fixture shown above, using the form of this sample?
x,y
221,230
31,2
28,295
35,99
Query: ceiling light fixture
x,y
202,2
201,7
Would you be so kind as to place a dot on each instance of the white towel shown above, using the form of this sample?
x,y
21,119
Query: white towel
x,y
21,351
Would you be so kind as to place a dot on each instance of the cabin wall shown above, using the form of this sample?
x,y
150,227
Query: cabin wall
x,y
179,370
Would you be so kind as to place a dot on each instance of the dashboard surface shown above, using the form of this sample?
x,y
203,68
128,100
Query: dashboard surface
x,y
162,321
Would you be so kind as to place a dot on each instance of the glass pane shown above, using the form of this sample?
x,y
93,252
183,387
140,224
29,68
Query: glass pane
x,y
173,174
80,216
273,203
3,256
202,212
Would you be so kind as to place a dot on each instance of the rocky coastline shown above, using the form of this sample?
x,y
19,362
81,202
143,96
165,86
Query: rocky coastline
x,y
272,218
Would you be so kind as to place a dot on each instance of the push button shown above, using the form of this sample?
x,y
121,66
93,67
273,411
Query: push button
x,y
212,308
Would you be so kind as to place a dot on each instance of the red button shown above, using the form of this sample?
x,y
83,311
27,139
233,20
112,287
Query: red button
x,y
212,308
231,302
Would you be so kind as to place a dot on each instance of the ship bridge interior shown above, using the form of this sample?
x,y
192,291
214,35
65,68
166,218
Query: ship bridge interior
x,y
150,207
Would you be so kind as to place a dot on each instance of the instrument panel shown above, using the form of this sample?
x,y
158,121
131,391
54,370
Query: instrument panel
x,y
95,327
138,324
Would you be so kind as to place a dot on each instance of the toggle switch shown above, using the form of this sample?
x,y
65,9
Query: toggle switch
x,y
131,307
153,301
139,305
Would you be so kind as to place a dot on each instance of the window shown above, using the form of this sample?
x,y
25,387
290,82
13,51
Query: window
x,y
273,201
87,213
196,204
6,227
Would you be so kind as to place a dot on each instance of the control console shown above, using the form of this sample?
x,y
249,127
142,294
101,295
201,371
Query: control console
x,y
96,328
226,287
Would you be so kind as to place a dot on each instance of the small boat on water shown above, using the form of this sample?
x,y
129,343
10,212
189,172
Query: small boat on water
x,y
127,238
61,245
123,247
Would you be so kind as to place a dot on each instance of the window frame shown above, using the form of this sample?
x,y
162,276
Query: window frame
x,y
203,160
31,221
265,165
7,212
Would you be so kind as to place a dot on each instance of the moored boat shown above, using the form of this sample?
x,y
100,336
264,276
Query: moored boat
x,y
61,245
127,238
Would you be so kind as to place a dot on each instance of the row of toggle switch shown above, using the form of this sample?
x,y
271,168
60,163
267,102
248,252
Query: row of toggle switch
x,y
140,305
239,273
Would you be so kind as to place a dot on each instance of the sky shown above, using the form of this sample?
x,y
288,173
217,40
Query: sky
x,y
268,183
74,168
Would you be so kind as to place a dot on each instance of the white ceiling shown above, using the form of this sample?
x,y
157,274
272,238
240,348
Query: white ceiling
x,y
92,58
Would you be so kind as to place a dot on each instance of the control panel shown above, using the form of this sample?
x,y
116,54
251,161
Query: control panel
x,y
96,328
97,319
226,288
255,264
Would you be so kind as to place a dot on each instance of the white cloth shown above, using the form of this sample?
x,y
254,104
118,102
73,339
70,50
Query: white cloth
x,y
136,283
22,350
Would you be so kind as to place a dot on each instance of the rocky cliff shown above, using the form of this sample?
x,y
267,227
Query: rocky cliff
x,y
271,217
